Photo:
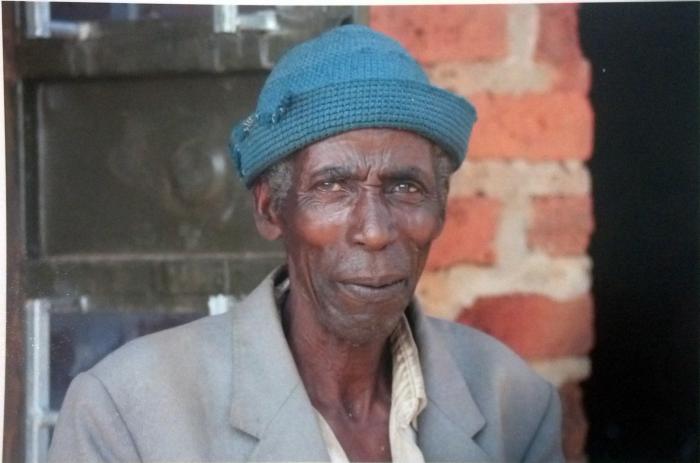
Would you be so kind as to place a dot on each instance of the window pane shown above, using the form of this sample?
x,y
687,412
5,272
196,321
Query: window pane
x,y
74,11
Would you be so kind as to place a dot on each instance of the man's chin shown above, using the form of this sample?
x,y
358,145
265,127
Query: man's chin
x,y
364,327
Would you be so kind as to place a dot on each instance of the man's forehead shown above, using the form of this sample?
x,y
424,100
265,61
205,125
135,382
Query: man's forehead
x,y
387,149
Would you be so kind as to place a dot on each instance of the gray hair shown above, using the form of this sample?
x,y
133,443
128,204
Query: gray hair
x,y
279,179
279,176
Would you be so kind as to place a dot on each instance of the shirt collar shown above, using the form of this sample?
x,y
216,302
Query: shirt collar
x,y
408,396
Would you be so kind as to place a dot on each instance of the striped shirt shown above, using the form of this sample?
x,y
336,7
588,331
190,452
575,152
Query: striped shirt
x,y
408,397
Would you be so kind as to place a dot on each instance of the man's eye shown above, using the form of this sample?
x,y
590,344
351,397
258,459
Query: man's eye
x,y
405,187
330,186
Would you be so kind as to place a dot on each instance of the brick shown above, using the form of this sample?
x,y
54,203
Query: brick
x,y
507,76
504,179
536,127
574,425
561,225
558,41
446,292
558,45
534,326
434,33
468,234
572,76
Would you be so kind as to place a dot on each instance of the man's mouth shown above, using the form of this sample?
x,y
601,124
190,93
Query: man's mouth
x,y
374,288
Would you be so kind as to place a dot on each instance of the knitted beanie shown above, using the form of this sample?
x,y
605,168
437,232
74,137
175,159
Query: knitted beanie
x,y
348,78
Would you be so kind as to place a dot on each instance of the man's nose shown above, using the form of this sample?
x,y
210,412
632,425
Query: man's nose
x,y
372,223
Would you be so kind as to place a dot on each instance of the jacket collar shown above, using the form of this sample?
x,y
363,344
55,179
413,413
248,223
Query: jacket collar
x,y
269,401
272,405
448,424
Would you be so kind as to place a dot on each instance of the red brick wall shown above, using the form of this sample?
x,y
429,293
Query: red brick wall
x,y
512,258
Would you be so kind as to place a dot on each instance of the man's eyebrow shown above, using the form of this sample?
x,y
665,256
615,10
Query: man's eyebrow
x,y
408,172
333,172
391,173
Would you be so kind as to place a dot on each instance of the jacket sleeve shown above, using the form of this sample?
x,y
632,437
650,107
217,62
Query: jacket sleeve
x,y
90,428
546,444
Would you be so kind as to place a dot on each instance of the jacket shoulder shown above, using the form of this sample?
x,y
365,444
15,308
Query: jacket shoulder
x,y
474,350
161,397
172,356
521,409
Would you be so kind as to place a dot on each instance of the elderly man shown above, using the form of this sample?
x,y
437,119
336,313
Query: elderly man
x,y
348,157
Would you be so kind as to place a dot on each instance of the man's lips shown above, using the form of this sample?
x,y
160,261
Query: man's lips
x,y
374,288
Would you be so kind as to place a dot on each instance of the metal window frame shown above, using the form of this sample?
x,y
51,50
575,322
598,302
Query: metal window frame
x,y
39,417
225,19
227,41
39,24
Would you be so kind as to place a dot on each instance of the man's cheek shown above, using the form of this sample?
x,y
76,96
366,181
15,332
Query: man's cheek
x,y
321,228
422,227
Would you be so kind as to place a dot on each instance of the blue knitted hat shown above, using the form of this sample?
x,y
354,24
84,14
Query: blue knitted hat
x,y
348,78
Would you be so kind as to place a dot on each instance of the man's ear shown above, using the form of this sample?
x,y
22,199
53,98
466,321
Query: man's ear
x,y
265,214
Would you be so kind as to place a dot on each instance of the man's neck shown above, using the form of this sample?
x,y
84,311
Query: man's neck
x,y
339,375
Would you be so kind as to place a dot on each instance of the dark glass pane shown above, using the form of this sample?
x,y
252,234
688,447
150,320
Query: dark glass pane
x,y
74,11
245,9
162,11
70,11
164,181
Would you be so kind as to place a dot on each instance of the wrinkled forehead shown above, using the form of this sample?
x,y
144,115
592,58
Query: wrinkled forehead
x,y
368,151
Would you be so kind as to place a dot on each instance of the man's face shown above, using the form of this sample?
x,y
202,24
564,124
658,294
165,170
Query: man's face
x,y
357,225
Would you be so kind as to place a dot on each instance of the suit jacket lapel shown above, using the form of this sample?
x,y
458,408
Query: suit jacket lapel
x,y
451,419
269,401
273,407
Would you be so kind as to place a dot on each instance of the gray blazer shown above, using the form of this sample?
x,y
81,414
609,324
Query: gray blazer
x,y
225,388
